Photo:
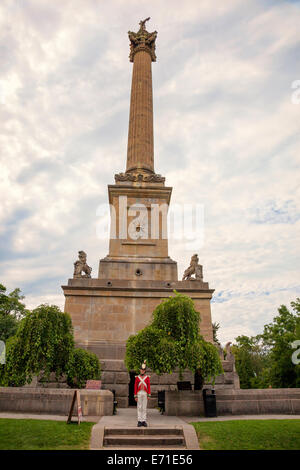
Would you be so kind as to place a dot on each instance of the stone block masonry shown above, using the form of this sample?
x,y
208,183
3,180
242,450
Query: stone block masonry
x,y
55,401
236,402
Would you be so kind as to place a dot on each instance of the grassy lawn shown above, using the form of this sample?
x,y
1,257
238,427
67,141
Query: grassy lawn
x,y
266,434
34,434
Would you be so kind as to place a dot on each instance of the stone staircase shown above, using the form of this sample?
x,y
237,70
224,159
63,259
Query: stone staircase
x,y
143,438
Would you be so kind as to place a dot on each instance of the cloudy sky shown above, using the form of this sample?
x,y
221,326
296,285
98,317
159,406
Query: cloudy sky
x,y
227,135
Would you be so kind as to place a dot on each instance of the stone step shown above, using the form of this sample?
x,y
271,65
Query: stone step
x,y
143,440
144,448
143,431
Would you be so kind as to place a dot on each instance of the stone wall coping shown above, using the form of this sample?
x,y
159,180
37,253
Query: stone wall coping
x,y
257,391
95,286
53,391
137,284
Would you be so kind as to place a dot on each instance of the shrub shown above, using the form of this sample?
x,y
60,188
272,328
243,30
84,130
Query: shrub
x,y
83,366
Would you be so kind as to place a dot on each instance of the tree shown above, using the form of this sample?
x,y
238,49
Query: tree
x,y
11,311
216,327
278,337
8,326
266,359
43,342
251,361
173,341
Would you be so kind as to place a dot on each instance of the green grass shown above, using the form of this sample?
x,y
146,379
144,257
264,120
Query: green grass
x,y
269,434
35,434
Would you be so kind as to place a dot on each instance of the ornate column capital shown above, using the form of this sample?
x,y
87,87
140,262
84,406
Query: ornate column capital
x,y
142,41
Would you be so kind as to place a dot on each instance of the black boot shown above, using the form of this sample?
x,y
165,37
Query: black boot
x,y
139,424
144,424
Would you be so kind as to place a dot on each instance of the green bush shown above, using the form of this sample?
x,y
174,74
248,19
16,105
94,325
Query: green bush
x,y
83,366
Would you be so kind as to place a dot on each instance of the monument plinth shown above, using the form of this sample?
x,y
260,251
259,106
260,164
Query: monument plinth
x,y
137,274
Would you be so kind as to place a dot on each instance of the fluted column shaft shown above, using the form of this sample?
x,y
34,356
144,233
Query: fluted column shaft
x,y
140,153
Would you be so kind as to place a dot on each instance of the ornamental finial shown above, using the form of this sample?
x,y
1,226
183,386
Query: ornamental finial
x,y
142,41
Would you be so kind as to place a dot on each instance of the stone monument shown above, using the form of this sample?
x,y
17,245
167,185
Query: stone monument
x,y
137,274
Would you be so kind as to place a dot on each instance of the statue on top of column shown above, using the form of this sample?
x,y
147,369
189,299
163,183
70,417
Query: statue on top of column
x,y
142,24
142,40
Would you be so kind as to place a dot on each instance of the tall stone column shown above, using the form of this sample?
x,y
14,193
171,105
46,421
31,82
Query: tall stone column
x,y
140,153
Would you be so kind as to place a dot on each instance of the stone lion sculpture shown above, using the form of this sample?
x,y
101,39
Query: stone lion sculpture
x,y
81,266
194,268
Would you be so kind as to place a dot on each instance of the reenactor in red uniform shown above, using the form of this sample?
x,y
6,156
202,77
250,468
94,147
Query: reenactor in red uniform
x,y
142,392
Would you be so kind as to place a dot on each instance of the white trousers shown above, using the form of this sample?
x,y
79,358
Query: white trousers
x,y
142,405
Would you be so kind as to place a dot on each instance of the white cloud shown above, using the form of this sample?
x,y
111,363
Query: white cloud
x,y
226,135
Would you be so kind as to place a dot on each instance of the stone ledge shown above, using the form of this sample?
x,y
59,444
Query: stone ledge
x,y
235,402
86,286
262,394
55,401
120,389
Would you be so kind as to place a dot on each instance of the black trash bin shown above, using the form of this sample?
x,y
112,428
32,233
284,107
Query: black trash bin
x,y
210,404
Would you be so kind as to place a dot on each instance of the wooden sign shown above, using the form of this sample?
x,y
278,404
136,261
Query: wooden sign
x,y
93,384
76,397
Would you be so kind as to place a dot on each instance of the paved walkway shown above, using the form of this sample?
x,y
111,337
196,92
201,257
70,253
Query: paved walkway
x,y
196,419
92,419
127,417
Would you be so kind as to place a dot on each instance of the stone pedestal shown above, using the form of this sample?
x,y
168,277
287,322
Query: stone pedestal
x,y
105,312
110,310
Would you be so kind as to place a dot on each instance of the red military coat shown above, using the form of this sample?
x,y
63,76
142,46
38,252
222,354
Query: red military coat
x,y
142,382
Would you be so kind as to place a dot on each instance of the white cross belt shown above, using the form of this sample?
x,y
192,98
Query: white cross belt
x,y
143,381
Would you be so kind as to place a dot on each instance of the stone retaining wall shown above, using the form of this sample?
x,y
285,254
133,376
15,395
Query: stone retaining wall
x,y
55,401
258,401
235,402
